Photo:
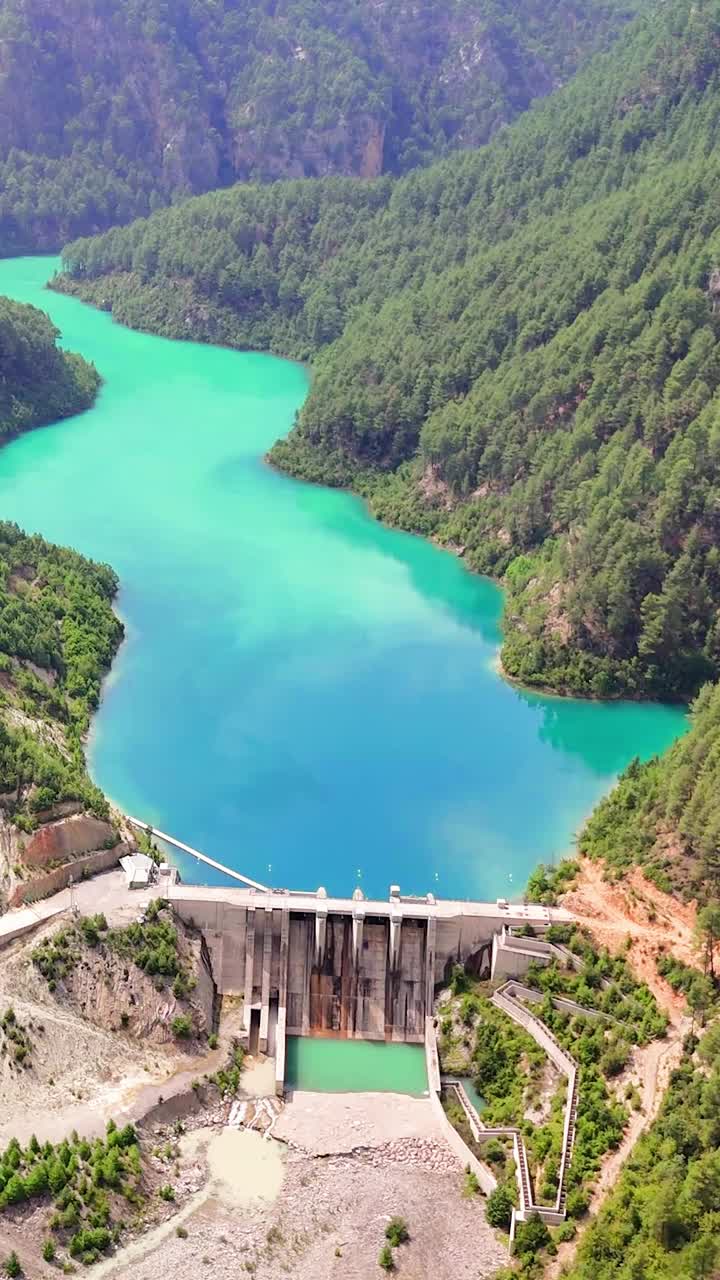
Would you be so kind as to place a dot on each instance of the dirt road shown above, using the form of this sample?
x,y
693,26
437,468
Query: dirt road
x,y
656,924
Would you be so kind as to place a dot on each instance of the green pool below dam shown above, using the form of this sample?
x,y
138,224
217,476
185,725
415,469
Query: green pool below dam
x,y
327,1065
303,694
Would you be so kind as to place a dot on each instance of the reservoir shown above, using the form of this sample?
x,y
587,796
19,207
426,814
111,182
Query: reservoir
x,y
303,694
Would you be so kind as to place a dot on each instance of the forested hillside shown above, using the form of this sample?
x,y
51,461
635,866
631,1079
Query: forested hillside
x,y
38,382
110,108
515,350
58,635
665,814
661,1220
58,632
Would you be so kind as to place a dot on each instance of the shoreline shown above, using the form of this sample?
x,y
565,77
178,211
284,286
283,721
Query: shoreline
x,y
307,365
113,673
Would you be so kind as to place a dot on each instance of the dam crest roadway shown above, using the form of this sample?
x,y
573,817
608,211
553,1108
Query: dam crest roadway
x,y
307,964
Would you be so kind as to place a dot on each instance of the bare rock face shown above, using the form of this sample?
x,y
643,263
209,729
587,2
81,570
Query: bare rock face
x,y
115,994
58,841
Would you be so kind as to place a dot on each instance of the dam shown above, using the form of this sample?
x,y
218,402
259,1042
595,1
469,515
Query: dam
x,y
308,964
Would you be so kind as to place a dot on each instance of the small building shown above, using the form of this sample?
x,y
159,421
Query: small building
x,y
138,868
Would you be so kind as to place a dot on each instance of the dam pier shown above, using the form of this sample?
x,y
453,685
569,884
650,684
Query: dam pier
x,y
309,964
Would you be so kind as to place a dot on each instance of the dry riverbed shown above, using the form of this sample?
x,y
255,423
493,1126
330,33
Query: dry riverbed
x,y
316,1203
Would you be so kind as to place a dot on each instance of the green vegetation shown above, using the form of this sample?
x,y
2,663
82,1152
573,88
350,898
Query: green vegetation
x,y
152,944
661,1219
203,93
515,350
498,1209
11,1266
58,633
508,1068
396,1231
665,815
182,1026
56,618
605,982
84,1186
16,1042
385,1259
227,1079
546,882
40,382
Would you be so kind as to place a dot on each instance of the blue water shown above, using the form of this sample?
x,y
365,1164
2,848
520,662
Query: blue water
x,y
303,694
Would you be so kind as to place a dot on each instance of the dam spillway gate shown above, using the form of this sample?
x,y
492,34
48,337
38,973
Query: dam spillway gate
x,y
307,964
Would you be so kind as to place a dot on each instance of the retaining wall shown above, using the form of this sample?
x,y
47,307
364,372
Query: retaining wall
x,y
52,881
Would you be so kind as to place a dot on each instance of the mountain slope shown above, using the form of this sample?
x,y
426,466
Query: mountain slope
x,y
514,350
665,814
110,109
58,633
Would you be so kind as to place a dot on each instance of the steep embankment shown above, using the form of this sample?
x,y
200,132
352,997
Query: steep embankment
x,y
515,351
94,1013
58,635
659,1220
665,814
109,109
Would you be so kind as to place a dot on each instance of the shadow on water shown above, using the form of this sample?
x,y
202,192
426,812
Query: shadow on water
x,y
564,727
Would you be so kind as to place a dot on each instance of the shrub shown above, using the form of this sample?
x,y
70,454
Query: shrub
x,y
182,1026
167,1192
566,1231
472,1186
48,1250
494,1152
385,1259
499,1207
90,1240
14,1190
212,1040
36,1182
396,1231
531,1236
577,1202
614,1059
57,1177
12,1265
181,1233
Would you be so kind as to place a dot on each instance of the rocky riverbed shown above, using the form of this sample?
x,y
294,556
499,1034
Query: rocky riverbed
x,y
316,1204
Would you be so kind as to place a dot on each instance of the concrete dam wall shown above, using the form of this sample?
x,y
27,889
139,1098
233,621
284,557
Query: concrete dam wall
x,y
306,964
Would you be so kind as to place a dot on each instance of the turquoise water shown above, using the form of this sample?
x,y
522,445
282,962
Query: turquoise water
x,y
351,1066
303,694
476,1098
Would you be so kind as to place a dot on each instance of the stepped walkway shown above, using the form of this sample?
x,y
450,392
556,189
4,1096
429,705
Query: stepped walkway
x,y
511,998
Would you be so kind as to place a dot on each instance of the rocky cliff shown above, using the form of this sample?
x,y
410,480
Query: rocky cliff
x,y
109,109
